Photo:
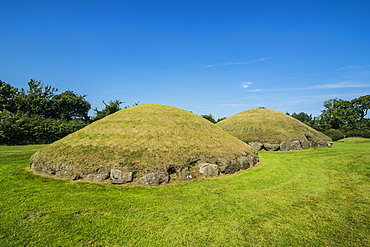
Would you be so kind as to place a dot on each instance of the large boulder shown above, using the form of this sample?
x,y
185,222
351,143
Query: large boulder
x,y
305,144
120,177
285,146
271,147
155,178
209,170
256,145
295,145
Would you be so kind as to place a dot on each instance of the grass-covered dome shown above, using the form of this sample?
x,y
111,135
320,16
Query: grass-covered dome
x,y
151,141
273,130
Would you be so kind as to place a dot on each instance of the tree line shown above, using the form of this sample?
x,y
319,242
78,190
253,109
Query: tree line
x,y
39,115
341,118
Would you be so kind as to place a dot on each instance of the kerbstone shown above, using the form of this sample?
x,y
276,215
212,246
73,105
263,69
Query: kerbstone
x,y
285,146
209,170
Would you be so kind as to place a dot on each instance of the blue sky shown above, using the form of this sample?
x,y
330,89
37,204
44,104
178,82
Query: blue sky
x,y
218,57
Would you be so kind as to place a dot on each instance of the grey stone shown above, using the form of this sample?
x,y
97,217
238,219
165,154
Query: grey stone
x,y
295,145
209,170
305,144
229,168
67,174
256,145
243,162
325,144
313,144
271,147
120,177
183,173
98,175
253,159
41,170
285,146
154,178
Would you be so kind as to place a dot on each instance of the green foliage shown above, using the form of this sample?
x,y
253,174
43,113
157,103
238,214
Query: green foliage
x,y
209,117
345,115
25,129
358,133
35,100
303,117
111,107
7,93
220,119
334,134
68,106
316,197
38,115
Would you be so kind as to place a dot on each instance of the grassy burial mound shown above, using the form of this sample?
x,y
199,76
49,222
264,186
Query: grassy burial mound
x,y
151,144
271,130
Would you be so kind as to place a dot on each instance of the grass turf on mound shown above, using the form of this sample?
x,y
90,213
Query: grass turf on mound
x,y
270,126
141,137
315,197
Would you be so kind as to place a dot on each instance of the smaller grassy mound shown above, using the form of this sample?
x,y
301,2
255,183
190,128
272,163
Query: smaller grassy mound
x,y
271,127
140,140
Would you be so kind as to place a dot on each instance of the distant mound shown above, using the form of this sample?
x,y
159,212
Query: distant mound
x,y
152,144
273,130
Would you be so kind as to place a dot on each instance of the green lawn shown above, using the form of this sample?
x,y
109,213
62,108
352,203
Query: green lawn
x,y
315,197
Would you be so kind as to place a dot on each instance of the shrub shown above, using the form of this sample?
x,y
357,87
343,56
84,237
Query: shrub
x,y
334,134
358,133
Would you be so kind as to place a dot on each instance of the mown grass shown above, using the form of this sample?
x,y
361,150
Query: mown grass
x,y
265,125
315,197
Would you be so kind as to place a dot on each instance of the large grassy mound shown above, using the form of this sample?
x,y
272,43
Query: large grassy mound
x,y
272,127
140,140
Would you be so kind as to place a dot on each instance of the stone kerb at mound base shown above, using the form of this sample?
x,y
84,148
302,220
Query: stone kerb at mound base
x,y
158,176
290,145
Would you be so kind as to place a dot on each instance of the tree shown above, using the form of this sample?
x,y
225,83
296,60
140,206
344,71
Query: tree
x,y
209,118
37,115
36,100
303,117
361,106
220,119
7,93
69,105
345,115
111,107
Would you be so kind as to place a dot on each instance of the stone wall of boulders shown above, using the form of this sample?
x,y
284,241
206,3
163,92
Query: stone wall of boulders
x,y
157,176
290,145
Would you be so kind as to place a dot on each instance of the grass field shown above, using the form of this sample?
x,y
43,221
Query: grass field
x,y
315,197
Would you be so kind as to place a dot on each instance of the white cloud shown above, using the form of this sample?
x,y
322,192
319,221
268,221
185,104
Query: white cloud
x,y
234,63
246,84
255,90
324,86
240,62
210,66
337,85
245,62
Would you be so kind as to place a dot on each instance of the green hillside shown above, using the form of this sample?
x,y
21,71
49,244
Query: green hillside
x,y
269,126
140,139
